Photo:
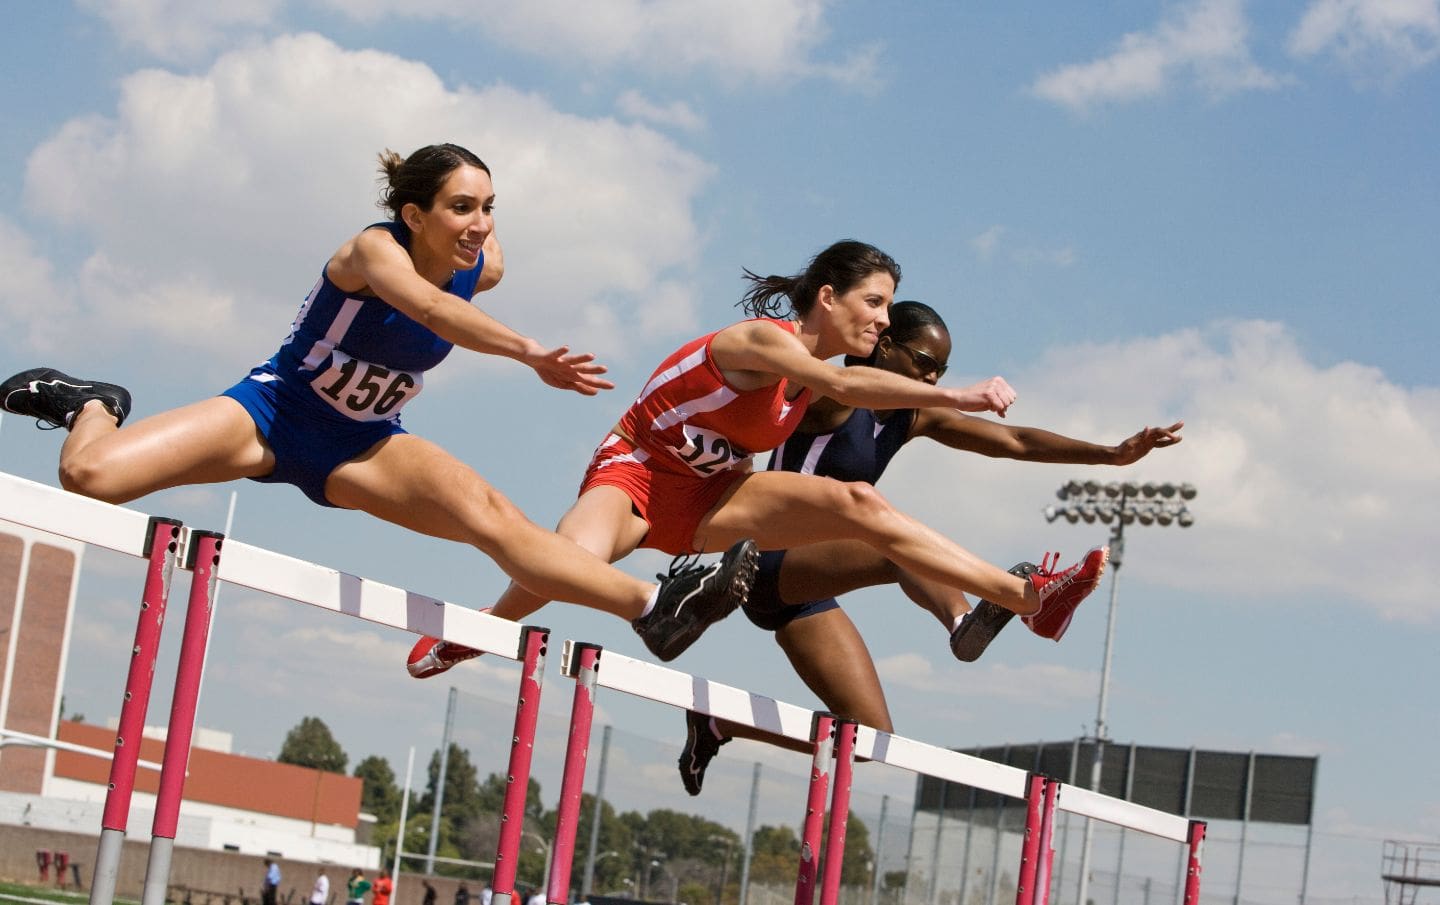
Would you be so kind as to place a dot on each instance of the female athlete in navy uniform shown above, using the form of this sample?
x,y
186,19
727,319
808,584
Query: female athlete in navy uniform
x,y
794,592
324,412
674,473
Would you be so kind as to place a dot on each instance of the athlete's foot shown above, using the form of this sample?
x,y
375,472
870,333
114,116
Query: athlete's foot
x,y
1061,592
701,746
980,626
693,597
431,656
54,399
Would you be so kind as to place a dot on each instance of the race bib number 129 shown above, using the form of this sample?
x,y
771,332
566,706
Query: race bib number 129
x,y
708,453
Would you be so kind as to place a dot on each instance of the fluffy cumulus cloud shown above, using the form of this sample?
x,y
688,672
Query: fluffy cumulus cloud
x,y
1205,43
1316,481
211,200
735,41
1374,37
181,30
36,303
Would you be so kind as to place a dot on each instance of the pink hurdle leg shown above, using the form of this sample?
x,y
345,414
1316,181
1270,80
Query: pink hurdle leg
x,y
822,733
202,558
1047,842
572,784
1192,873
522,748
839,813
161,542
1030,848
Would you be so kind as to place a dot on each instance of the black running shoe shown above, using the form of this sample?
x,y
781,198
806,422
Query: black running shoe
x,y
980,627
53,398
694,597
701,746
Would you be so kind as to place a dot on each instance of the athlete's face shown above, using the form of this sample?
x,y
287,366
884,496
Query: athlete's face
x,y
924,356
460,219
860,313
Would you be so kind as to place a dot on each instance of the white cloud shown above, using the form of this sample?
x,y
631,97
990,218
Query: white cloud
x,y
1388,37
1205,42
739,40
1316,482
676,114
181,30
213,199
37,305
990,243
1046,685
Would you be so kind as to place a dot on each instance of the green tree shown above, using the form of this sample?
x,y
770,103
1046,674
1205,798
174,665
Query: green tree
x,y
310,744
379,796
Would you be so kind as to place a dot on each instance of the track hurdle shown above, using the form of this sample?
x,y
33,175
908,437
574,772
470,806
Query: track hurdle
x,y
1044,796
165,543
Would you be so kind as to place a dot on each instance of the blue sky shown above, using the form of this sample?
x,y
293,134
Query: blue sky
x,y
1213,210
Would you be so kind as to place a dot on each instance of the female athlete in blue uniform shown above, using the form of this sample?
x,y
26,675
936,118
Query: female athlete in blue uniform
x,y
795,590
324,412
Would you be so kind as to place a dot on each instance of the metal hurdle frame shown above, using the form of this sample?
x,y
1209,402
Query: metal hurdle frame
x,y
164,542
1044,796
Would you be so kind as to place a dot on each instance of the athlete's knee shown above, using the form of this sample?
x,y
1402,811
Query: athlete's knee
x,y
860,502
89,475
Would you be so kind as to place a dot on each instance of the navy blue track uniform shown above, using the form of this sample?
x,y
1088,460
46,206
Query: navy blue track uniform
x,y
336,386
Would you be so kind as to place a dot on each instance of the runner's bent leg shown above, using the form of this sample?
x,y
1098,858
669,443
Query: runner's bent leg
x,y
202,443
600,521
784,510
414,483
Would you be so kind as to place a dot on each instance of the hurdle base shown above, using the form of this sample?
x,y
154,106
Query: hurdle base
x,y
107,866
157,871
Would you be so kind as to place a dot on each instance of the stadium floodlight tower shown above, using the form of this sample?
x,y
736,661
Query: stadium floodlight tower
x,y
1117,505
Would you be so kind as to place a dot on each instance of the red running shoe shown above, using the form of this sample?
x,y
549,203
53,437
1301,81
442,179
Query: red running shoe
x,y
1061,592
431,656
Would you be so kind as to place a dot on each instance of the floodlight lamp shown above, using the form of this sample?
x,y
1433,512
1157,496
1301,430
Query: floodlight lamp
x,y
1164,517
1070,514
1073,488
1087,512
1127,517
1112,490
1167,490
1051,513
1185,519
1092,488
1107,514
1145,516
1062,494
1187,491
1130,488
1148,489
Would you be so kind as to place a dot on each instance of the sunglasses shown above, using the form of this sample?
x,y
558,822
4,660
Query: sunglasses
x,y
923,360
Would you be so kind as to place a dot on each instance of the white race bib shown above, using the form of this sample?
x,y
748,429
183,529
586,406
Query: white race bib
x,y
362,391
709,453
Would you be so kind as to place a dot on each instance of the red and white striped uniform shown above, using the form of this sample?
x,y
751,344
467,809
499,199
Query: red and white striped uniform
x,y
690,421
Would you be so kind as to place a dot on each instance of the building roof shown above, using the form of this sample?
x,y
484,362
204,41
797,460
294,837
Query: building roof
x,y
227,780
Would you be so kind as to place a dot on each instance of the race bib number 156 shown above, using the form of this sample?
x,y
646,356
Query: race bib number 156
x,y
363,391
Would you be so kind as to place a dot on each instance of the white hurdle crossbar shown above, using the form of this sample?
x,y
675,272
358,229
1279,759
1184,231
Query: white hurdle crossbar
x,y
165,542
682,690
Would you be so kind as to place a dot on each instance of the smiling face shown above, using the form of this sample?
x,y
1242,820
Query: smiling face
x,y
925,355
448,236
858,315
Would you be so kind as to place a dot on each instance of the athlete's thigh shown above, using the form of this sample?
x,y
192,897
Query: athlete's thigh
x,y
831,658
205,442
604,522
780,510
831,568
416,484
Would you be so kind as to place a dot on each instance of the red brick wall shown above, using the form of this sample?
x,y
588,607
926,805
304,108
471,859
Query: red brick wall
x,y
36,647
